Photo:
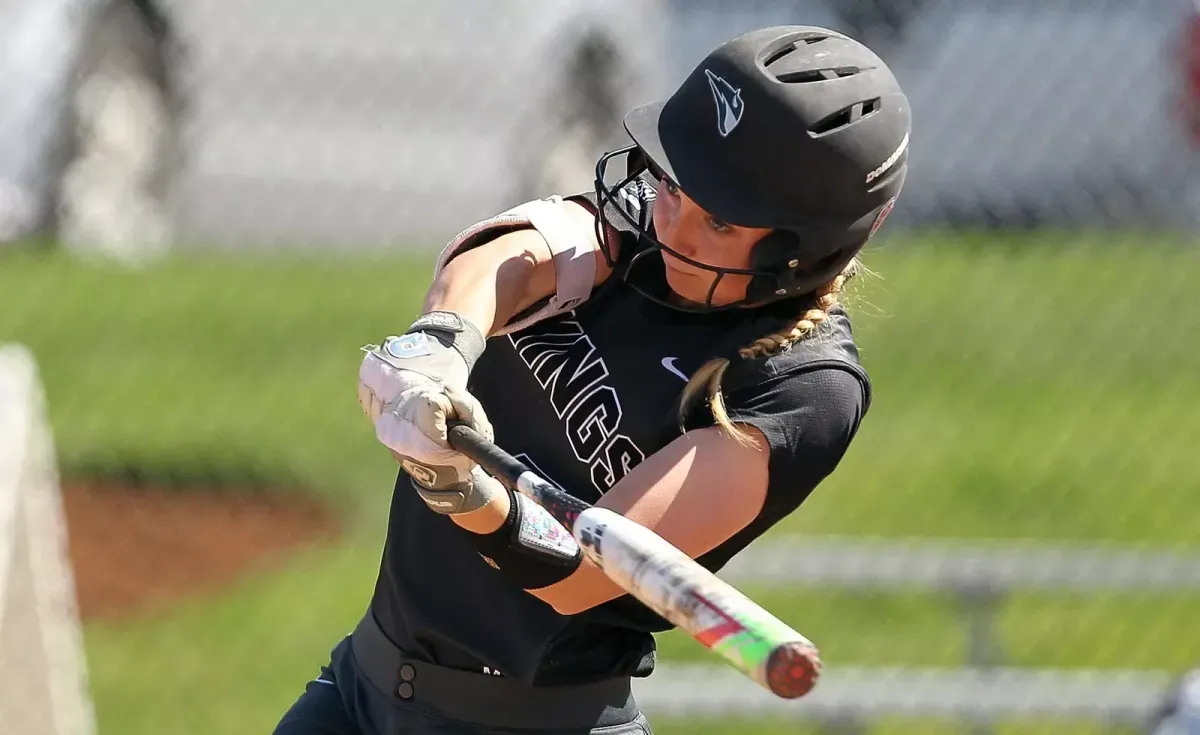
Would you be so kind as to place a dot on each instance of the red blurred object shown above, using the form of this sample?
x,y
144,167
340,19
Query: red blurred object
x,y
1191,73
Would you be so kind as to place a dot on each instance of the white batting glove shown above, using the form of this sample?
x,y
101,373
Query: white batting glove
x,y
411,411
411,387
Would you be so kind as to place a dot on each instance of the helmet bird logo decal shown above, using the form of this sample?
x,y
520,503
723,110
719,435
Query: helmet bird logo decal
x,y
729,103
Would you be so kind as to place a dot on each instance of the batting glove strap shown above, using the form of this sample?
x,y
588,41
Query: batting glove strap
x,y
464,497
453,331
532,548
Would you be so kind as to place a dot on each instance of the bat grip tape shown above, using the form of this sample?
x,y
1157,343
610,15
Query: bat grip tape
x,y
499,463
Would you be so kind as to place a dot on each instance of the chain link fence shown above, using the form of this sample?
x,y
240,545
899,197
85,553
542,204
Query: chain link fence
x,y
1011,544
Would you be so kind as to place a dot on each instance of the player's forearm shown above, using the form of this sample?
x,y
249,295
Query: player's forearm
x,y
487,519
492,283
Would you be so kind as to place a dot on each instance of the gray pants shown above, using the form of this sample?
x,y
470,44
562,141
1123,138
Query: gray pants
x,y
349,698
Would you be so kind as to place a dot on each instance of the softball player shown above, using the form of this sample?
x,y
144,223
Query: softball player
x,y
670,346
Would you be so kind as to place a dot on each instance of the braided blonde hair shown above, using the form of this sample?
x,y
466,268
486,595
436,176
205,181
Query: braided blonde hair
x,y
707,380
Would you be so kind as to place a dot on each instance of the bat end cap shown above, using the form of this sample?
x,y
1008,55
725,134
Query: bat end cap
x,y
793,669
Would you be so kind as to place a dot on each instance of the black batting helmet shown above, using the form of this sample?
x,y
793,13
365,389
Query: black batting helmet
x,y
798,129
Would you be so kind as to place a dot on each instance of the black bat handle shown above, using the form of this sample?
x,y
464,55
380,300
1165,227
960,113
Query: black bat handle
x,y
507,468
498,463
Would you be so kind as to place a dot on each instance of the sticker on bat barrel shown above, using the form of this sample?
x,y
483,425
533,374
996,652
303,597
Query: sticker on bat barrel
x,y
666,581
592,537
715,626
745,644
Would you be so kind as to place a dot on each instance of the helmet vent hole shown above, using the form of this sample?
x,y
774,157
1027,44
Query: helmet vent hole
x,y
804,76
779,55
791,45
846,116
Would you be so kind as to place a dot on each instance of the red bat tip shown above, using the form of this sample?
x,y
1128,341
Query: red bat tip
x,y
793,669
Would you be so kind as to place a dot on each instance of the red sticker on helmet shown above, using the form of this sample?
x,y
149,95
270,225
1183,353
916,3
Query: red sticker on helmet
x,y
883,213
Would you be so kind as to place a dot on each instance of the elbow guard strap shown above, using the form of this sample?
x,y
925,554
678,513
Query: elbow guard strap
x,y
531,548
572,247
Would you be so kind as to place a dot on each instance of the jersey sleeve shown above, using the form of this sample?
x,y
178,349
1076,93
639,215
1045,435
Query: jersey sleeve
x,y
809,416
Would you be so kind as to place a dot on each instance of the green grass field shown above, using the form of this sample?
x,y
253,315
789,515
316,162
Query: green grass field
x,y
1023,389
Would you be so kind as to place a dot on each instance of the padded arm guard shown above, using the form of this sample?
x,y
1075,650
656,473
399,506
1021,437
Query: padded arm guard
x,y
572,247
531,548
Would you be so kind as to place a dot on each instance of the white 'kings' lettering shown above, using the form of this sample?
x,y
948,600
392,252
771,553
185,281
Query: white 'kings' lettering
x,y
564,361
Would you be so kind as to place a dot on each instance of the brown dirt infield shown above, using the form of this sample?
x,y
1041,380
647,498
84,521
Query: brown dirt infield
x,y
135,550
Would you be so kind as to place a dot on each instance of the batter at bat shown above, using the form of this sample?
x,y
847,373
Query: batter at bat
x,y
671,346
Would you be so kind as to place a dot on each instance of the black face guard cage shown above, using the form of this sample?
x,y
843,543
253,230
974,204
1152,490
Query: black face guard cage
x,y
632,200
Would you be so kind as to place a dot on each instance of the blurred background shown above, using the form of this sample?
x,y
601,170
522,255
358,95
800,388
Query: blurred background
x,y
206,207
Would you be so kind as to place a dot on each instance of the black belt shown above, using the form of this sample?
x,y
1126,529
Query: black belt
x,y
483,699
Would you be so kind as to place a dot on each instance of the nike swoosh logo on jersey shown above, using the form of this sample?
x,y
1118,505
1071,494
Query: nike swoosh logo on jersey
x,y
669,364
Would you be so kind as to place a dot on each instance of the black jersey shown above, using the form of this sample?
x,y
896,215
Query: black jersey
x,y
582,398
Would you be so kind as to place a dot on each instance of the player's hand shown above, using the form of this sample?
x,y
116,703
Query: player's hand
x,y
411,387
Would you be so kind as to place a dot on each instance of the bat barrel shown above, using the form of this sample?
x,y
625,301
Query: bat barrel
x,y
715,614
665,579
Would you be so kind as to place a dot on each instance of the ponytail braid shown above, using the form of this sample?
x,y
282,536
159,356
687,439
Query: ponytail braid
x,y
707,380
